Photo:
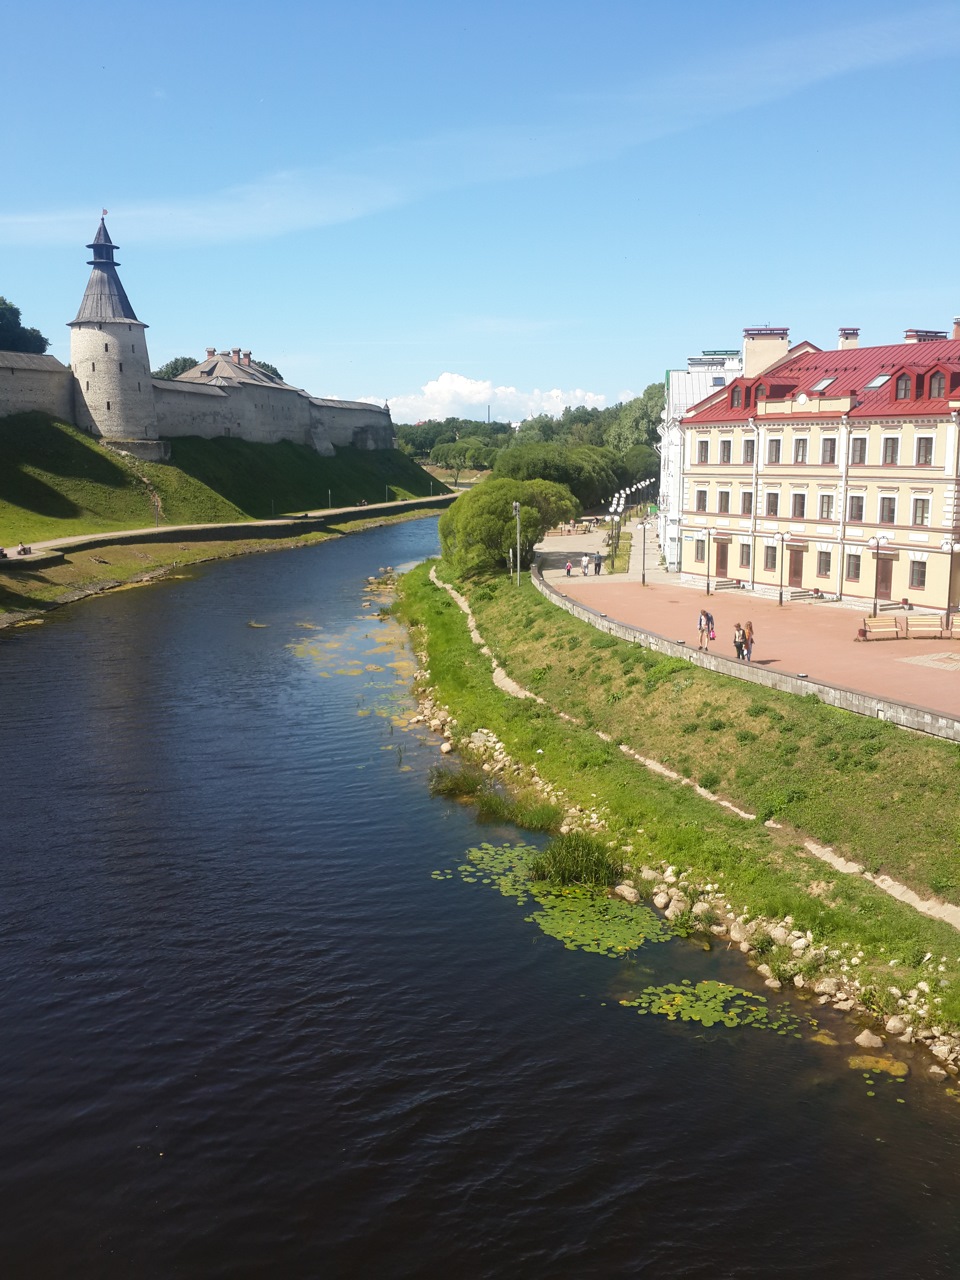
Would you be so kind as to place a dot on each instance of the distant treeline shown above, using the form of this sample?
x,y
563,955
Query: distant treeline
x,y
592,451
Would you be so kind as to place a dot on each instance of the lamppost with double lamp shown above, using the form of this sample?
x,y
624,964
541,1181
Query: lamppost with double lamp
x,y
877,541
782,539
516,512
948,544
710,533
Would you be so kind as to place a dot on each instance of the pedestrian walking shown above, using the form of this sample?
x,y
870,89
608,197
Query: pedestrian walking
x,y
703,630
739,636
748,638
585,564
597,563
569,568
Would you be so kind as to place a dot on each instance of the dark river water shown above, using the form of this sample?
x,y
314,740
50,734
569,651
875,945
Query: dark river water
x,y
245,1033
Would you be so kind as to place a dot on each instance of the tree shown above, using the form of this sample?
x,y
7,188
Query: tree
x,y
453,456
14,337
479,529
173,368
588,472
637,421
272,369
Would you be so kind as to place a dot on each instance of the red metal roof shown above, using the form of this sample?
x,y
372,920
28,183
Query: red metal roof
x,y
852,368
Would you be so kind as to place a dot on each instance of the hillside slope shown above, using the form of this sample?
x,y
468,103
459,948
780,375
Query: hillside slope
x,y
56,481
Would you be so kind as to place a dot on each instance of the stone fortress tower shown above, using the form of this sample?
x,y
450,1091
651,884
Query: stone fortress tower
x,y
110,392
113,387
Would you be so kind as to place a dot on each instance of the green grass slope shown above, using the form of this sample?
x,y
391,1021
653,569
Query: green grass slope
x,y
56,481
270,479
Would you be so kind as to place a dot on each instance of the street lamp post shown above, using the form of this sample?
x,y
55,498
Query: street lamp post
x,y
783,548
516,512
643,562
709,533
876,543
948,544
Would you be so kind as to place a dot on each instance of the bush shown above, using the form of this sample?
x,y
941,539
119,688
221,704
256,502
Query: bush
x,y
577,858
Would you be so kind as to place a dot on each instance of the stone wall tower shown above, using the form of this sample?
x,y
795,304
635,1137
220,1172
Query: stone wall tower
x,y
111,367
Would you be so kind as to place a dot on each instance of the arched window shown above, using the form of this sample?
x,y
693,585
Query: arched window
x,y
736,398
938,386
903,387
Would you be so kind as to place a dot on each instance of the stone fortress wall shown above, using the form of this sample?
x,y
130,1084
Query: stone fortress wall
x,y
111,393
31,384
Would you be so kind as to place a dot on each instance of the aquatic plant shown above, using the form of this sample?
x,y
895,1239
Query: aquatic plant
x,y
582,918
466,780
712,1002
577,858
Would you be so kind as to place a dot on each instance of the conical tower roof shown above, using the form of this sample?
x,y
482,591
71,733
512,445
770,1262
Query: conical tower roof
x,y
104,297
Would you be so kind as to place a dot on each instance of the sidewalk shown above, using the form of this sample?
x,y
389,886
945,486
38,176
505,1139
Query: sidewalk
x,y
801,638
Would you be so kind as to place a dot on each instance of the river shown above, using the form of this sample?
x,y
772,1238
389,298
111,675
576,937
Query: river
x,y
246,1033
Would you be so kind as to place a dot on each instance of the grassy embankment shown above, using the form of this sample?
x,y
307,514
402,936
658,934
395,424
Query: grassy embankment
x,y
879,794
56,482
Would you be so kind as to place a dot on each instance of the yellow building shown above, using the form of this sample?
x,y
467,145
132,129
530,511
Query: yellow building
x,y
830,472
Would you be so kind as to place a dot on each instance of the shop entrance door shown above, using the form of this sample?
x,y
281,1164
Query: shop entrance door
x,y
796,567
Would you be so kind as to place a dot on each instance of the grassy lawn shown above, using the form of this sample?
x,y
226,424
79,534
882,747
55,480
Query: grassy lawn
x,y
836,776
56,481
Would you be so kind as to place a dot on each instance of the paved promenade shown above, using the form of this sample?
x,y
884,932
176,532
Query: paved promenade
x,y
802,637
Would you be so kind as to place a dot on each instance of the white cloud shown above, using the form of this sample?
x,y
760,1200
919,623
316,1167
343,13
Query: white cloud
x,y
452,395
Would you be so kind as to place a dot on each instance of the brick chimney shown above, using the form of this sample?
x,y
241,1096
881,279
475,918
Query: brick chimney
x,y
245,358
762,347
211,352
235,354
848,338
956,326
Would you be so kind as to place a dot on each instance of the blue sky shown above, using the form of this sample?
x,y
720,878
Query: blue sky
x,y
524,205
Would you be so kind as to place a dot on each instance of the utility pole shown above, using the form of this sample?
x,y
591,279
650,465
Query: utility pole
x,y
516,512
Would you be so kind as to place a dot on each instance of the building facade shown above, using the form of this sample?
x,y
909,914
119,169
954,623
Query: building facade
x,y
683,388
831,472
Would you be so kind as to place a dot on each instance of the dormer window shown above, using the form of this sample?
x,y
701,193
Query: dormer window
x,y
736,398
903,387
761,390
938,386
746,397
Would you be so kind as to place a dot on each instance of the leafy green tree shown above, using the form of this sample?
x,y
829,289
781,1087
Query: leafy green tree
x,y
588,472
173,368
268,368
453,456
636,421
14,337
479,529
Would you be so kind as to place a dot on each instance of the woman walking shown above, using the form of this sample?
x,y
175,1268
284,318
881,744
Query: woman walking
x,y
703,630
739,636
748,638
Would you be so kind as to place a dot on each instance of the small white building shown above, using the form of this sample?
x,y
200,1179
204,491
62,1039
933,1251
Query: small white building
x,y
685,387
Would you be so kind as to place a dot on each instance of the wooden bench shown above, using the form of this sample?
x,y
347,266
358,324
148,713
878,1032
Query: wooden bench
x,y
929,626
880,629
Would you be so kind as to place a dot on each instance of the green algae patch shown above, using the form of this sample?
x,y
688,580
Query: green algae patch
x,y
711,1003
869,1062
583,919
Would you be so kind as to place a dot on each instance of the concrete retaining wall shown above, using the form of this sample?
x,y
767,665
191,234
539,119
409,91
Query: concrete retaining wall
x,y
904,714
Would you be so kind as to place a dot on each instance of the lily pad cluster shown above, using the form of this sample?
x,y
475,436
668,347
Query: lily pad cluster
x,y
582,918
710,1003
